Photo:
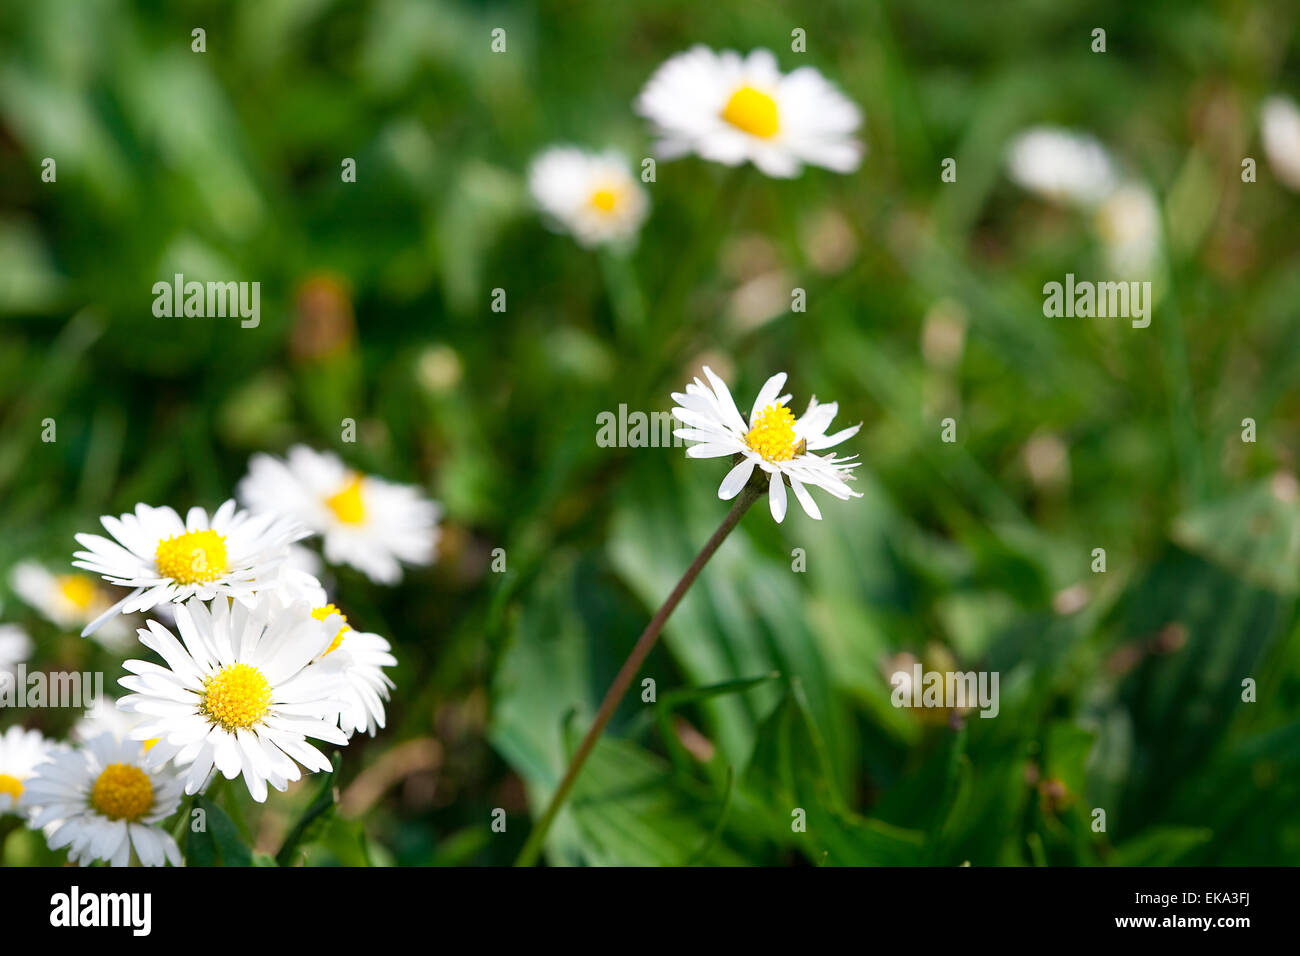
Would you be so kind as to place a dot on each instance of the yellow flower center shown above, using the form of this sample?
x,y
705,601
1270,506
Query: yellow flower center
x,y
604,199
192,558
238,697
78,589
753,112
11,785
347,504
772,434
122,792
321,613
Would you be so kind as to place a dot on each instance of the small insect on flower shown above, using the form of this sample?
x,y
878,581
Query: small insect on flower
x,y
368,523
592,196
1061,165
772,440
103,801
70,601
366,687
167,560
20,753
242,690
732,109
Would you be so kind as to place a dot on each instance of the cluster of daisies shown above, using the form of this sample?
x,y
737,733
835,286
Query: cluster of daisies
x,y
251,661
723,107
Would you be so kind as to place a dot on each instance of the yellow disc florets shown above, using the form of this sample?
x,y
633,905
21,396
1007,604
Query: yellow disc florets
x,y
11,785
321,613
122,792
752,111
195,557
347,504
77,589
772,434
604,199
237,698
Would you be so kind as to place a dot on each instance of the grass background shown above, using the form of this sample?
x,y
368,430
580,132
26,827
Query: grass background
x,y
924,302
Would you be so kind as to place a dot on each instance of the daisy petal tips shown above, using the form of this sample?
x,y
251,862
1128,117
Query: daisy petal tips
x,y
772,440
732,109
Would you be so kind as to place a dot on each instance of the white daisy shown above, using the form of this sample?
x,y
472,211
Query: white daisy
x,y
20,753
243,692
773,440
103,801
69,600
1061,165
1280,131
365,656
368,523
732,109
592,196
167,560
15,648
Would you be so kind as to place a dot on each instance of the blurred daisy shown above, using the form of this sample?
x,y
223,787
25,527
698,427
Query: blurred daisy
x,y
15,648
167,560
20,752
366,687
732,109
103,801
1061,165
241,693
68,600
592,196
773,440
1129,225
368,523
1280,131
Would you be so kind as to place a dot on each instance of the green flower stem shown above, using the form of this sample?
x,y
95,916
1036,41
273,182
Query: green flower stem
x,y
533,847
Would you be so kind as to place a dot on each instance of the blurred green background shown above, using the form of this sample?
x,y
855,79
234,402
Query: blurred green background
x,y
1119,691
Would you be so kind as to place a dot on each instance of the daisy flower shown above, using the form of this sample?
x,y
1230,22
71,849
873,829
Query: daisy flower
x,y
241,691
773,440
368,523
167,560
364,656
1280,131
592,196
15,647
1061,165
733,109
68,600
1129,225
20,753
103,801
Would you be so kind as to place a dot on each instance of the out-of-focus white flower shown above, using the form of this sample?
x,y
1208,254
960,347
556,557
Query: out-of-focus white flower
x,y
732,109
592,196
70,601
20,752
1280,130
1129,225
366,522
1061,165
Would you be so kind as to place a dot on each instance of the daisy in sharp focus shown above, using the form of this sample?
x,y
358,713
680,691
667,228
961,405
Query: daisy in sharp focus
x,y
772,440
366,687
69,601
370,524
592,196
105,801
733,109
167,560
241,691
20,753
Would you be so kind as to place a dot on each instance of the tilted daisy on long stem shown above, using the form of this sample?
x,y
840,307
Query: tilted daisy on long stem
x,y
780,448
